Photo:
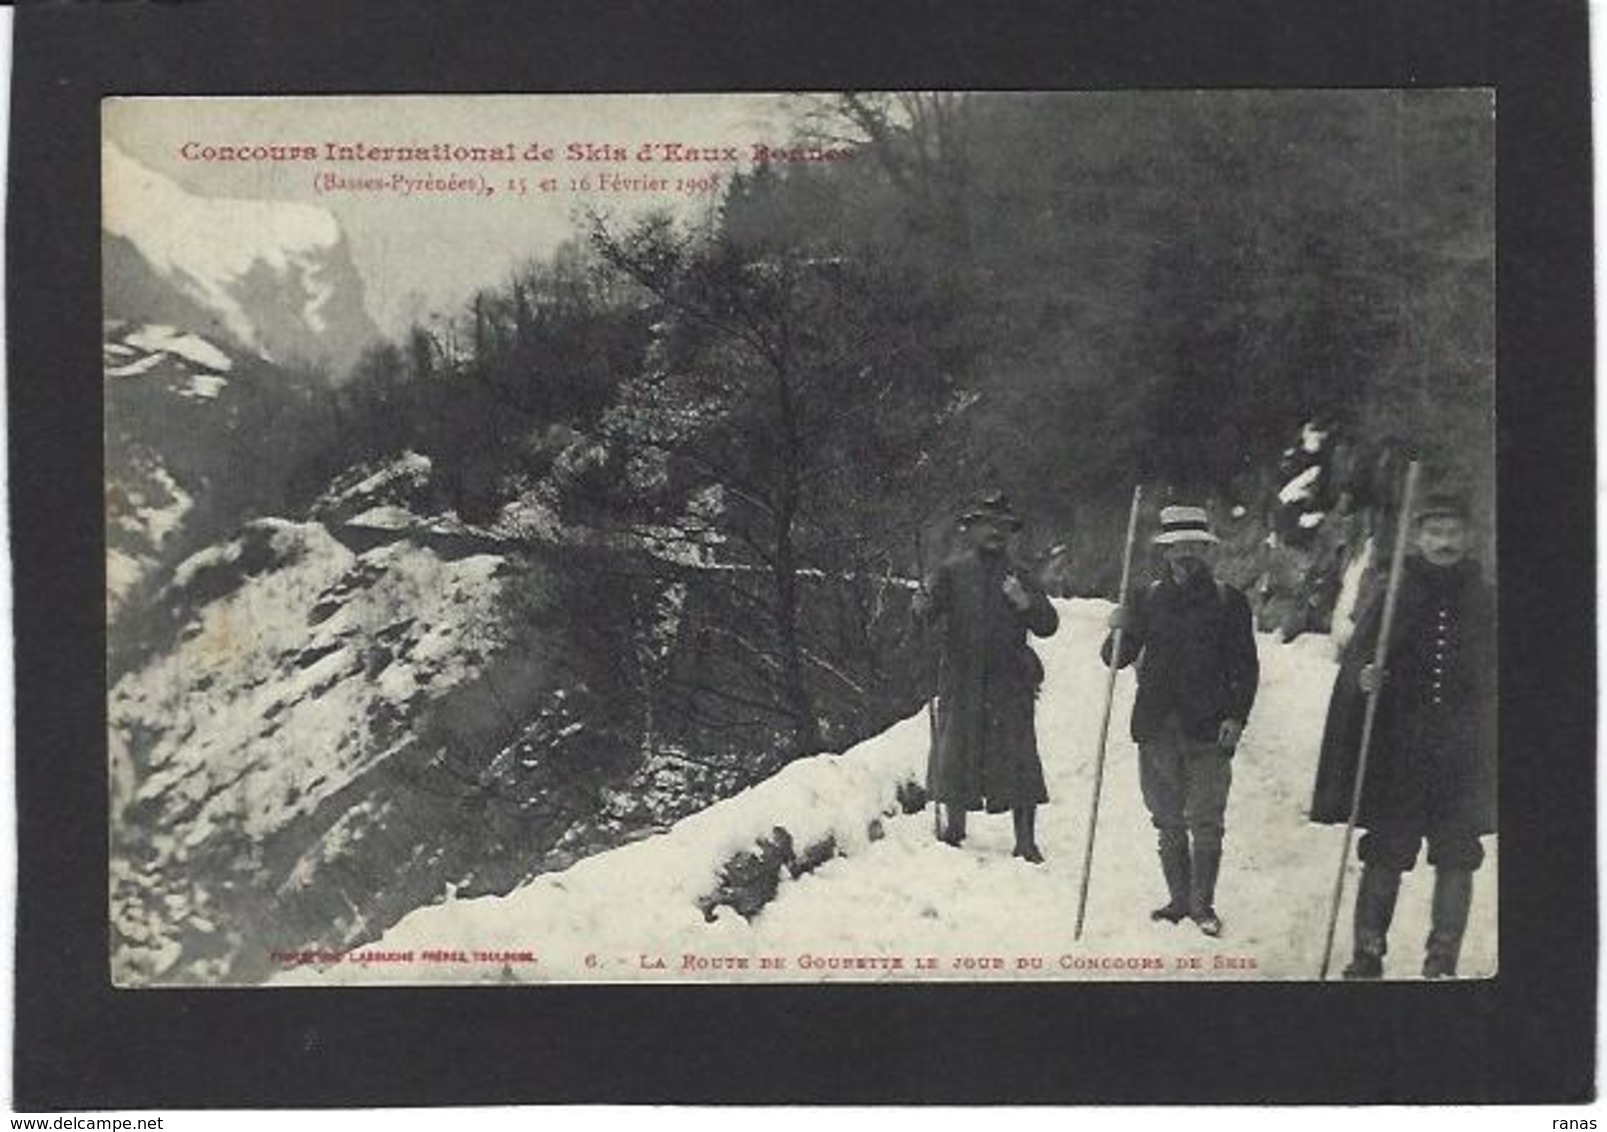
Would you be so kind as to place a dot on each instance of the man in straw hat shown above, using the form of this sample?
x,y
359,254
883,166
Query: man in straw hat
x,y
1196,684
985,754
1431,764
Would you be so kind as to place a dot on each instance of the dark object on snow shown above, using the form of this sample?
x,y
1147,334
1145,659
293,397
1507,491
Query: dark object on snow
x,y
751,878
912,797
986,751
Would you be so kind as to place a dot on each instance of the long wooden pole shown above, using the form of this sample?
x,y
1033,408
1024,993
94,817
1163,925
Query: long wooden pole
x,y
1403,523
926,659
1104,719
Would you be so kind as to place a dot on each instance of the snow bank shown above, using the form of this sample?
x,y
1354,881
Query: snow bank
x,y
889,903
650,890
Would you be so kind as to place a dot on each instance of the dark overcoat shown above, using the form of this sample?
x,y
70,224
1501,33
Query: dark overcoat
x,y
986,751
1432,759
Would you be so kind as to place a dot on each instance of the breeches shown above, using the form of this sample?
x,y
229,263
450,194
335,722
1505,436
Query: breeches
x,y
1395,847
1185,784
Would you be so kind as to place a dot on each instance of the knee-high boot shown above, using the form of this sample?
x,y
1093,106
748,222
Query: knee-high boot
x,y
1453,895
1026,823
1176,868
1375,908
1207,863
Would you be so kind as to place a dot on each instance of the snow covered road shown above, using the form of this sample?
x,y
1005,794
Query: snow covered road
x,y
903,906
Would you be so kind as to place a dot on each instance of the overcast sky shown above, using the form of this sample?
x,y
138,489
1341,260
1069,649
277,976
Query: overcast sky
x,y
428,252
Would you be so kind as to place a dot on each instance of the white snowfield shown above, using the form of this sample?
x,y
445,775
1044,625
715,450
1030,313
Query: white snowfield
x,y
207,246
901,906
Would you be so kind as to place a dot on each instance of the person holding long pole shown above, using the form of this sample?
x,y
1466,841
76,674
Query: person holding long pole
x,y
1409,745
1196,685
983,604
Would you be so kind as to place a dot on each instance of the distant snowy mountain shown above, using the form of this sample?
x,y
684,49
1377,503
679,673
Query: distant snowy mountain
x,y
271,277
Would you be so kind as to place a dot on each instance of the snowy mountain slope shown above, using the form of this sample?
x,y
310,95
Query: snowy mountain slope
x,y
318,725
146,506
296,674
894,894
305,740
275,277
197,438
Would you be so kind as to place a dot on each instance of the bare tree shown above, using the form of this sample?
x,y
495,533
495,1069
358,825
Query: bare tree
x,y
769,373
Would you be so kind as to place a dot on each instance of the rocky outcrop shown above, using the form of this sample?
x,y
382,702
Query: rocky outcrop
x,y
250,745
198,437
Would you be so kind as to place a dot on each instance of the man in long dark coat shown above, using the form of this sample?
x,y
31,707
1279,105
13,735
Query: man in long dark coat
x,y
1196,684
985,753
1431,764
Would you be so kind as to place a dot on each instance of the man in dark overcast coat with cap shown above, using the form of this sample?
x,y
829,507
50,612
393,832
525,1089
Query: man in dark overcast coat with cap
x,y
1196,684
985,753
1431,765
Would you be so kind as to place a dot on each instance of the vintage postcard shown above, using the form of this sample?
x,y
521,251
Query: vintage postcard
x,y
878,536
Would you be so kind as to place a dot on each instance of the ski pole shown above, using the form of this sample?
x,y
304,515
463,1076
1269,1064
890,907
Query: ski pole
x,y
1104,719
1403,522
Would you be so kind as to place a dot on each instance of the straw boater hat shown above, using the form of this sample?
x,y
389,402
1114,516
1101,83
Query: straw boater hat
x,y
1184,524
993,506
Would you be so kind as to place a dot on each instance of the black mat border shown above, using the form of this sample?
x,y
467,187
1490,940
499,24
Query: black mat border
x,y
1527,1035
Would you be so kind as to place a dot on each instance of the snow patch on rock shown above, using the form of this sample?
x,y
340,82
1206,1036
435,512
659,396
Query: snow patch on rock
x,y
285,718
157,339
292,675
